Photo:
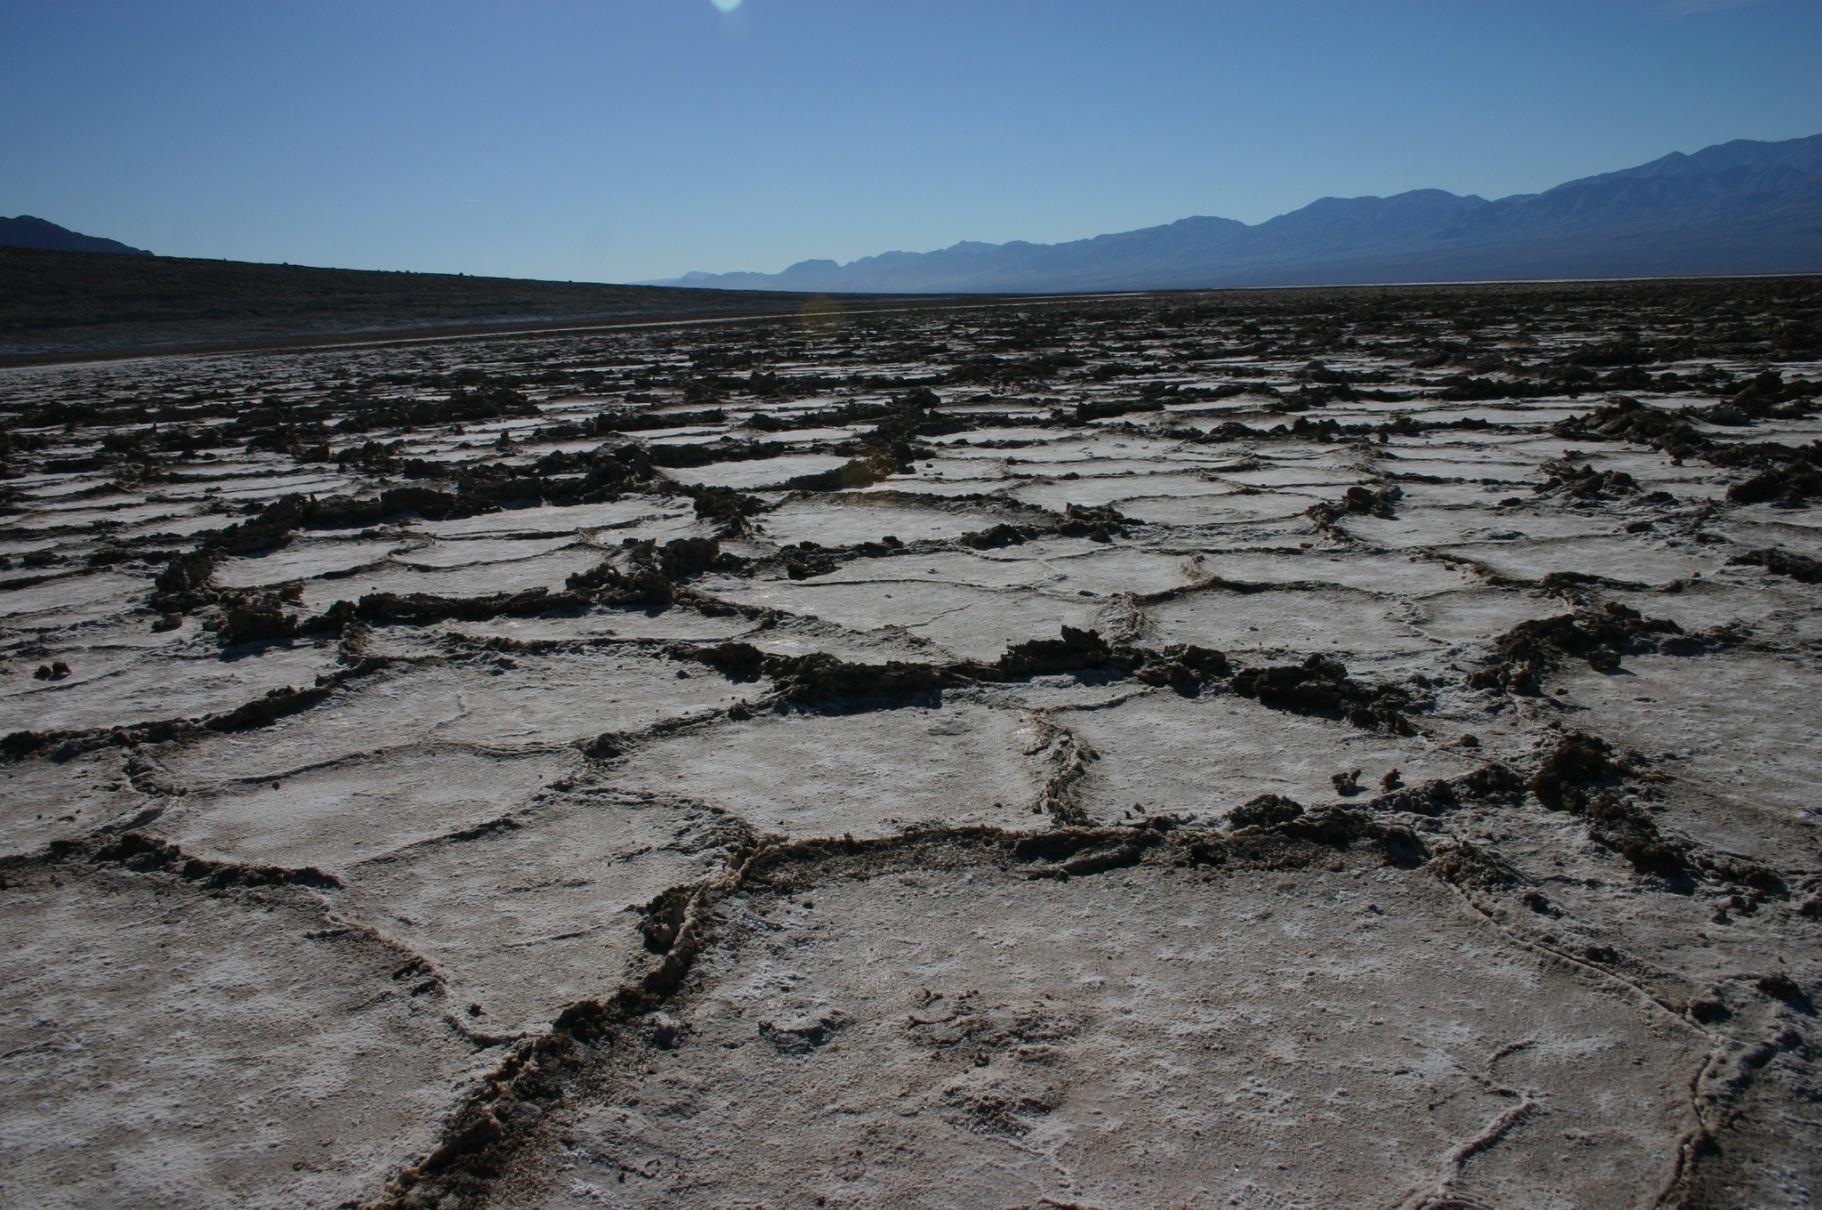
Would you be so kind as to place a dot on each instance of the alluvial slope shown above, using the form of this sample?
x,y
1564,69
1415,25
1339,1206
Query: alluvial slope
x,y
58,305
1333,747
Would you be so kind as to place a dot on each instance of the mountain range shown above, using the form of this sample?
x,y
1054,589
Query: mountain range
x,y
1738,207
26,231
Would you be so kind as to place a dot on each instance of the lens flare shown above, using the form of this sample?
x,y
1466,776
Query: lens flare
x,y
726,6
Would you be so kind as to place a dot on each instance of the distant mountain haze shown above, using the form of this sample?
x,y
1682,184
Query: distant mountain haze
x,y
1739,207
28,232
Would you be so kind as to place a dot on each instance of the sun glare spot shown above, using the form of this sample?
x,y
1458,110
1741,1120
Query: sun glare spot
x,y
726,6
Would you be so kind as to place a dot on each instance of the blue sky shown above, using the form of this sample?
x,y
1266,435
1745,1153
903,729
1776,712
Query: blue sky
x,y
618,140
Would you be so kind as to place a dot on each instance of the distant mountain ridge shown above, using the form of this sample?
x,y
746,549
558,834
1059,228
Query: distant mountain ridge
x,y
1739,207
25,231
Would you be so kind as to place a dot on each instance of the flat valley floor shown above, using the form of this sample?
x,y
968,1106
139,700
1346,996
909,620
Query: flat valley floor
x,y
1292,748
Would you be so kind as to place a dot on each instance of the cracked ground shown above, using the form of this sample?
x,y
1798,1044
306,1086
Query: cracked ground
x,y
1300,748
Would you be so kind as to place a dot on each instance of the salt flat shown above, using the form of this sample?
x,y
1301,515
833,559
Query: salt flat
x,y
1340,754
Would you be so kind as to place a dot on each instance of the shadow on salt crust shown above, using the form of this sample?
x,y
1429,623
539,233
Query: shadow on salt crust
x,y
162,1046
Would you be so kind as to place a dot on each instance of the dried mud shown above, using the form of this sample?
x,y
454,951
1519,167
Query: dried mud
x,y
1285,749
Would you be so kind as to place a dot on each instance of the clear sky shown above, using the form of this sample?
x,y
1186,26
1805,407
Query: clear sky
x,y
618,140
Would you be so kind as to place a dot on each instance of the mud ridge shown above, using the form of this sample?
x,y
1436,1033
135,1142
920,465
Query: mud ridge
x,y
143,853
276,704
1522,657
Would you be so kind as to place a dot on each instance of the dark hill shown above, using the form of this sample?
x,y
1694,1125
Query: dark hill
x,y
25,231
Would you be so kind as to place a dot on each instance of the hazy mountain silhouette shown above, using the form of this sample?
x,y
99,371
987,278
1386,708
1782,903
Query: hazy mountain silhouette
x,y
28,232
1739,207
